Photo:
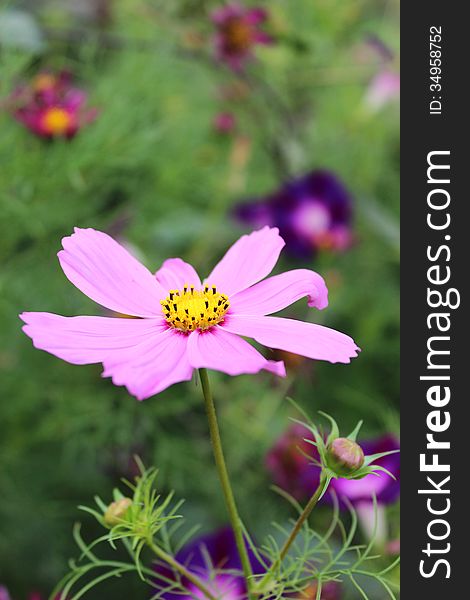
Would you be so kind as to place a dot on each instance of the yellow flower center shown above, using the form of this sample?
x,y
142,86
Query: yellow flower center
x,y
190,309
56,121
238,35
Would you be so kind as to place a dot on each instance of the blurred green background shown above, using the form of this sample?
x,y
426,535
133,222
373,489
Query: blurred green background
x,y
152,171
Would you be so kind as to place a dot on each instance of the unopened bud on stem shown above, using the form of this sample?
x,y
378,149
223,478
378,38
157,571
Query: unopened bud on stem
x,y
345,457
116,511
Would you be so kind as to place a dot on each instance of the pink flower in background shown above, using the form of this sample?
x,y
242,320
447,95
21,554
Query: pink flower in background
x,y
51,107
224,123
239,30
384,88
184,324
290,465
4,595
213,558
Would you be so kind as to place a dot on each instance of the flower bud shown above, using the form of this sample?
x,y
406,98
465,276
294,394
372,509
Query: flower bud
x,y
116,511
345,457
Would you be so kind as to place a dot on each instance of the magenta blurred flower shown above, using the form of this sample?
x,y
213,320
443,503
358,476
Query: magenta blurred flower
x,y
291,465
4,595
224,122
51,107
239,30
313,213
184,324
214,559
288,462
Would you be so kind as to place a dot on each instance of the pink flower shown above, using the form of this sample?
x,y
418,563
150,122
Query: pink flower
x,y
50,107
224,123
184,324
239,30
384,88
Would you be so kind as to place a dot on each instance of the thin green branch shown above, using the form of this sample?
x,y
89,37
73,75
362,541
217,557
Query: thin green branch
x,y
225,479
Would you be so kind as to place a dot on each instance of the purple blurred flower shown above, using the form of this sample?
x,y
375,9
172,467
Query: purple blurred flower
x,y
214,559
50,106
312,212
239,30
290,465
4,595
224,123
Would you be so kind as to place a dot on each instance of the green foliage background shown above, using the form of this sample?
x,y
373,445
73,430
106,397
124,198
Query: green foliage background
x,y
152,170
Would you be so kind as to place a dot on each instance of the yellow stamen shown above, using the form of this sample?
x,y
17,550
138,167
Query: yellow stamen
x,y
238,34
56,121
190,309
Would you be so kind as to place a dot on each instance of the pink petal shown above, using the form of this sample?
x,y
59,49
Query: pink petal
x,y
263,38
105,271
86,340
152,366
256,16
223,14
175,273
222,351
275,293
248,261
306,339
75,99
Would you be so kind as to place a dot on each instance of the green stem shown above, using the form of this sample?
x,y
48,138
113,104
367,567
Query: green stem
x,y
177,566
225,480
323,484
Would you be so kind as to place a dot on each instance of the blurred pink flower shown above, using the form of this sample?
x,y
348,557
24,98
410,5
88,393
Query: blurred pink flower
x,y
384,88
239,30
184,324
224,122
289,462
50,106
4,595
